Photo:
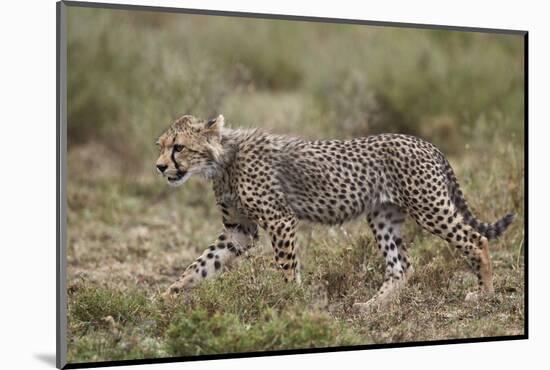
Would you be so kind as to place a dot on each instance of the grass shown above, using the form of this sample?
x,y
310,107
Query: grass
x,y
130,235
198,333
123,254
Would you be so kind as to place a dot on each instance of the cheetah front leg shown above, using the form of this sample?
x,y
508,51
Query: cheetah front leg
x,y
232,243
386,222
282,232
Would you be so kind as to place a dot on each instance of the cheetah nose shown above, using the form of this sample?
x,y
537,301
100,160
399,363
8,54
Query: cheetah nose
x,y
162,167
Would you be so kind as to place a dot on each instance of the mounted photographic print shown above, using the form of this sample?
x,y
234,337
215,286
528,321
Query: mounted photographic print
x,y
235,184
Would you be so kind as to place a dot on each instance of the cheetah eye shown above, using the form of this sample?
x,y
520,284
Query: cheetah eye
x,y
178,147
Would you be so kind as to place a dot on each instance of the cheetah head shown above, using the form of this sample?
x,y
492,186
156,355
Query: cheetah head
x,y
189,146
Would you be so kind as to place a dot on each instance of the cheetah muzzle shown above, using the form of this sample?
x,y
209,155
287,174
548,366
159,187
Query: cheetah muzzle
x,y
272,182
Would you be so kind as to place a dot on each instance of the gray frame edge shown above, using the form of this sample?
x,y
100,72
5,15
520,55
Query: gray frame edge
x,y
61,186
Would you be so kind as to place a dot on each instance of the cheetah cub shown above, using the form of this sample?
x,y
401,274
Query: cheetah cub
x,y
271,182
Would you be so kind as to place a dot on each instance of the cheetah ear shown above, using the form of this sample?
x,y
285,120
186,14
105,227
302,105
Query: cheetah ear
x,y
213,131
214,126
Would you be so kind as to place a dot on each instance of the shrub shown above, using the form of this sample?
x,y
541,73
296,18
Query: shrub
x,y
197,333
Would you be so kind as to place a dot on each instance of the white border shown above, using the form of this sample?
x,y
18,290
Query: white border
x,y
28,182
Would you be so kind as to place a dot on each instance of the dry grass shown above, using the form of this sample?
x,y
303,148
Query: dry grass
x,y
128,242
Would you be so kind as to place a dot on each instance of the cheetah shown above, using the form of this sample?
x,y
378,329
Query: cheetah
x,y
271,182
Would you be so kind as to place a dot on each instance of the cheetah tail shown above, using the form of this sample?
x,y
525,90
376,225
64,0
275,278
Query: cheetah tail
x,y
491,231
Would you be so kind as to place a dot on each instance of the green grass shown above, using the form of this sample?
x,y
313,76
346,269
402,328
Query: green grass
x,y
197,333
130,235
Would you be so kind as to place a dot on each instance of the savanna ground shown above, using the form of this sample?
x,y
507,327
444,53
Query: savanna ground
x,y
130,235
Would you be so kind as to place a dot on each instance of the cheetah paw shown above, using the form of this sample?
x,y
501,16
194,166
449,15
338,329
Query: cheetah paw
x,y
167,296
476,296
472,297
171,293
369,306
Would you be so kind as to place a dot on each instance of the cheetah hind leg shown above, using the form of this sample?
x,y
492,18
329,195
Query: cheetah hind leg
x,y
449,225
386,223
482,263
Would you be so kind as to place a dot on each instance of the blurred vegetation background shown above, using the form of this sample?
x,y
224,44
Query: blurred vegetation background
x,y
131,73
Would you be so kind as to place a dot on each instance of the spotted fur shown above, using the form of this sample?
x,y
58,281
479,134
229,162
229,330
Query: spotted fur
x,y
272,182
